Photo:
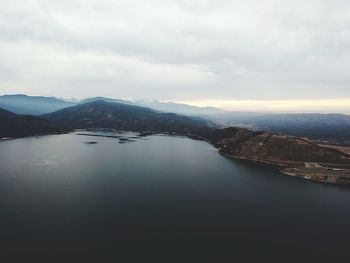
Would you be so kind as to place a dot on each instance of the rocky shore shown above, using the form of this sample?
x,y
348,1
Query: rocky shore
x,y
320,174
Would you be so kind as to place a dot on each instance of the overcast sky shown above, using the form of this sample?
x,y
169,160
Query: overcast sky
x,y
285,55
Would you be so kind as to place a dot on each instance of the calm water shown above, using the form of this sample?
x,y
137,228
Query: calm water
x,y
159,194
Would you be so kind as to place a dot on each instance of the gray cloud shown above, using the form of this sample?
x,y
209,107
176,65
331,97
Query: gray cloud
x,y
176,50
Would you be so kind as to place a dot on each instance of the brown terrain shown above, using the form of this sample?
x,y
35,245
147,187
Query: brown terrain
x,y
345,149
294,156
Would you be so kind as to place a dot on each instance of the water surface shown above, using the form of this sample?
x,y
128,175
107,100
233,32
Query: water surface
x,y
163,193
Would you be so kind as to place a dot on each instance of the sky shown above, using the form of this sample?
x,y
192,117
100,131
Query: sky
x,y
273,55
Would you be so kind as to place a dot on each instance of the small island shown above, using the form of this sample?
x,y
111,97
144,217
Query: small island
x,y
91,142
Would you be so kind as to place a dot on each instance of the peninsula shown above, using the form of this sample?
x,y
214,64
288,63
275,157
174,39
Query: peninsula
x,y
293,156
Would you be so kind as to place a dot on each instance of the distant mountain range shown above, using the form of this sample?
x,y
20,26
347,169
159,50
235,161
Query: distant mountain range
x,y
333,128
37,105
180,108
32,105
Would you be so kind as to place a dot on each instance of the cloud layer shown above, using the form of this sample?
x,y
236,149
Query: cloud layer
x,y
177,50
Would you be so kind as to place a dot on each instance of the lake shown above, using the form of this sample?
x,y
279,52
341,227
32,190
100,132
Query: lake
x,y
165,196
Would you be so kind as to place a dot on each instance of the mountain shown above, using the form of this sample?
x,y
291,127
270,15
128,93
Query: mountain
x,y
33,105
13,125
119,116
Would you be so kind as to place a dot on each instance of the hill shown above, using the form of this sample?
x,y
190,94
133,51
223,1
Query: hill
x,y
275,148
294,156
13,125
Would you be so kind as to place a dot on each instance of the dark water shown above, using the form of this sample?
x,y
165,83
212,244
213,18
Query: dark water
x,y
161,197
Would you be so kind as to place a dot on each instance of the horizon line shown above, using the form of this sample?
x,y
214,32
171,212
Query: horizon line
x,y
324,106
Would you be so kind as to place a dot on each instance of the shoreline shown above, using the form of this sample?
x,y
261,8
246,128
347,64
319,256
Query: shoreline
x,y
330,173
316,172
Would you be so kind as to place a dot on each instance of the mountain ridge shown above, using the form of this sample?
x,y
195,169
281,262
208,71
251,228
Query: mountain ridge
x,y
101,114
